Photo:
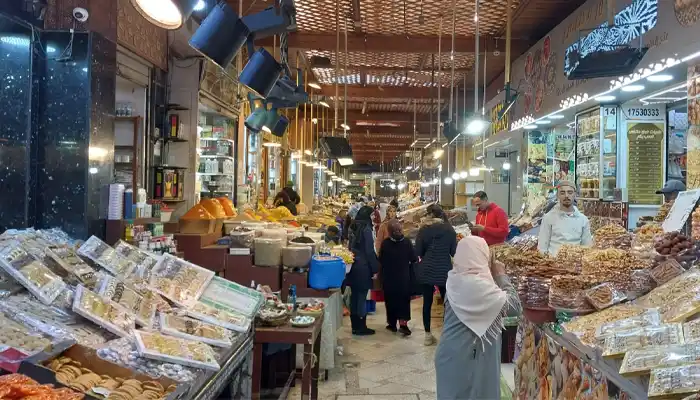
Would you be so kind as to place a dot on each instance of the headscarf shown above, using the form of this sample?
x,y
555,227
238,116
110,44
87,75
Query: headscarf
x,y
362,220
352,211
472,293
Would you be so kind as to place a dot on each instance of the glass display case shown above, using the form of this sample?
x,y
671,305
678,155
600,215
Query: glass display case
x,y
596,153
216,163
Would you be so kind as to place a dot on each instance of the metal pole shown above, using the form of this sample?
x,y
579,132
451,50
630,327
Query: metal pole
x,y
337,59
476,62
439,83
345,92
509,27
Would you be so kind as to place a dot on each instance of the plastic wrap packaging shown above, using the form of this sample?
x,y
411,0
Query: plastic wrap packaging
x,y
141,307
124,352
192,329
641,283
156,346
567,293
665,271
31,273
70,266
29,341
268,252
106,257
219,314
641,361
19,386
242,238
674,381
534,293
275,233
691,331
229,294
8,285
524,242
647,318
179,280
88,334
25,303
682,308
143,261
620,342
604,295
103,312
667,293
584,327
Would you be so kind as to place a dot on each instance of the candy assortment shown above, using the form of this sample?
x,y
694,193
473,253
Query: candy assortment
x,y
143,260
124,352
179,280
19,337
74,269
142,307
156,346
220,315
585,326
189,328
17,386
643,360
31,273
103,312
106,257
24,303
302,321
621,342
229,294
647,318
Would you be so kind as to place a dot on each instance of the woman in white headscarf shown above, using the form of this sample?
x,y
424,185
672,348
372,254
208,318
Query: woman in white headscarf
x,y
479,296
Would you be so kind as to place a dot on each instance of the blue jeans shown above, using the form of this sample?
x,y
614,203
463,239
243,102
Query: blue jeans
x,y
358,302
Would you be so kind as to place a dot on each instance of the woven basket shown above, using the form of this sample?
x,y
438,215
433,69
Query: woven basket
x,y
279,321
317,313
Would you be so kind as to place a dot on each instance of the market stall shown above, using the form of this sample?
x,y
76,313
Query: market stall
x,y
615,320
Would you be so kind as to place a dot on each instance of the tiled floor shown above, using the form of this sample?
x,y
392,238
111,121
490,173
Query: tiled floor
x,y
385,366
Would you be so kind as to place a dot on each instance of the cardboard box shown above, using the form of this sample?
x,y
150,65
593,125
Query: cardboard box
x,y
89,359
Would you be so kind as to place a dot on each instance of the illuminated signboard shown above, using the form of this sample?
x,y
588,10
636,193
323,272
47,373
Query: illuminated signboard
x,y
496,124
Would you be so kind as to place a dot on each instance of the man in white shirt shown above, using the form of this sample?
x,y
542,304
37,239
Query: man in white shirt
x,y
564,224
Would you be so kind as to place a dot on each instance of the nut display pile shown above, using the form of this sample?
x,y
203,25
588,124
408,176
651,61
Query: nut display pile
x,y
567,292
648,232
612,235
613,265
695,220
570,256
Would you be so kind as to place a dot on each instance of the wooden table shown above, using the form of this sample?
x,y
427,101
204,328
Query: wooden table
x,y
309,337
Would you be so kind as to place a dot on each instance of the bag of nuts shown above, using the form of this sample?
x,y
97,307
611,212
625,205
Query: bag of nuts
x,y
567,293
604,296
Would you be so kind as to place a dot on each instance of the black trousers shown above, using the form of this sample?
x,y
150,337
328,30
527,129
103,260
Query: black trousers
x,y
398,306
358,302
428,303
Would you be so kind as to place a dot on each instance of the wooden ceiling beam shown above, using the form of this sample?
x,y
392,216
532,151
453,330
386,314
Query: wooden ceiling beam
x,y
405,92
383,116
378,68
393,43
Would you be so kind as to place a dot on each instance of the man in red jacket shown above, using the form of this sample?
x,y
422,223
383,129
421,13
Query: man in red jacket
x,y
491,220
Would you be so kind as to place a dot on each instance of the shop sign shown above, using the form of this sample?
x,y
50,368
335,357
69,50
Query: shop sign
x,y
498,124
643,113
668,31
645,175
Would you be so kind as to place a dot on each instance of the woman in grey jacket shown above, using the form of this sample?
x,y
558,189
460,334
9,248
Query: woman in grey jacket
x,y
436,243
479,296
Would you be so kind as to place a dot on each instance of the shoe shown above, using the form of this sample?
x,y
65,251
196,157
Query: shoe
x,y
403,329
429,339
355,324
391,328
362,329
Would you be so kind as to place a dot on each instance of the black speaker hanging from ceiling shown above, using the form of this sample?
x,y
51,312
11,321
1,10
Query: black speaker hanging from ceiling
x,y
260,73
221,35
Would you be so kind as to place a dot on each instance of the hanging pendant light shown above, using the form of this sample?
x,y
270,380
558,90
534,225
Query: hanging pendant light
x,y
166,14
260,73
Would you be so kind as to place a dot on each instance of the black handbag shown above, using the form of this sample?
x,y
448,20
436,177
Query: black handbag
x,y
415,286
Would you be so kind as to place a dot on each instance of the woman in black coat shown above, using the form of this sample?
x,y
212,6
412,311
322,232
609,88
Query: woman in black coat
x,y
396,256
436,244
363,269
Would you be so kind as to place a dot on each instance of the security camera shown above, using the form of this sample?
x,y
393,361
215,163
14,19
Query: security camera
x,y
80,14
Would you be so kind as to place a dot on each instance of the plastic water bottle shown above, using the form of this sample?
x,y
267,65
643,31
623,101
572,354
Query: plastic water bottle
x,y
292,298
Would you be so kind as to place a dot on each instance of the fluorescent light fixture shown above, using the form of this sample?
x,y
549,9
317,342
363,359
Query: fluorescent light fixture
x,y
632,88
448,181
660,78
530,126
464,174
409,167
424,184
345,161
345,126
201,4
166,14
438,153
316,86
414,143
474,171
323,103
476,126
556,116
331,173
455,175
272,144
93,170
543,122
605,97
506,165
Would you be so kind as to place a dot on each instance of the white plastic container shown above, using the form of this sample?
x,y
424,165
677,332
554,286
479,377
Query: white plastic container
x,y
278,233
165,216
268,252
296,256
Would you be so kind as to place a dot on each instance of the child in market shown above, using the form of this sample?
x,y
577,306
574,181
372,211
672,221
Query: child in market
x,y
332,235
